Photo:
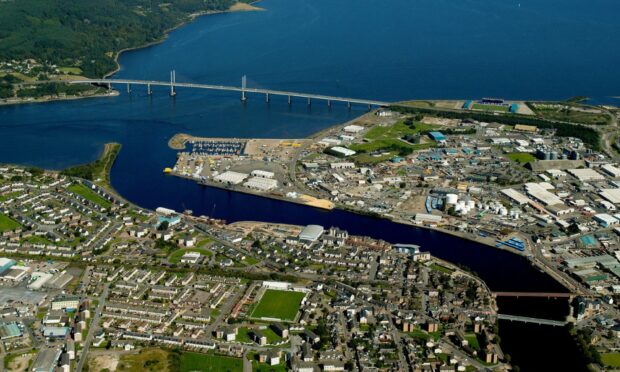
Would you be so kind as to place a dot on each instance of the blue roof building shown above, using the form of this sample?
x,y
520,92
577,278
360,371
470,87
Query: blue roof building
x,y
437,136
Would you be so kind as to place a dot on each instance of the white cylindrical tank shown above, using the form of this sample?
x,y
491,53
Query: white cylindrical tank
x,y
503,211
471,204
452,198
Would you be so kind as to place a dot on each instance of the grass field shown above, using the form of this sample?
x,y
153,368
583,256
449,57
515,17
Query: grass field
x,y
277,304
9,195
7,223
154,360
175,257
472,340
70,70
572,116
389,139
478,106
521,157
611,359
88,194
205,362
442,269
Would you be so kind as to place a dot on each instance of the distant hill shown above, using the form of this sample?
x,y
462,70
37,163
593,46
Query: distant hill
x,y
88,33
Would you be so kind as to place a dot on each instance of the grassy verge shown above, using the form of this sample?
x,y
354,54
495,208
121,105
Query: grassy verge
x,y
7,224
521,157
88,194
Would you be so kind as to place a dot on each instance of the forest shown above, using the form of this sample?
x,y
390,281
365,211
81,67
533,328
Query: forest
x,y
88,33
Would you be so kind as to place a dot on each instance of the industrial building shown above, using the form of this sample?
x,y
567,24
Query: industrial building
x,y
261,184
230,177
437,136
311,233
586,174
5,264
340,151
611,170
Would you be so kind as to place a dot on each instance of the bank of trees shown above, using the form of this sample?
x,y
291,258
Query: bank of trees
x,y
87,33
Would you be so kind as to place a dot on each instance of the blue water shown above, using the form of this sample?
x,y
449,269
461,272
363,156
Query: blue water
x,y
387,50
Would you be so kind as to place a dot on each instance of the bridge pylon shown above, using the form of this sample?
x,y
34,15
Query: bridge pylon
x,y
173,79
243,86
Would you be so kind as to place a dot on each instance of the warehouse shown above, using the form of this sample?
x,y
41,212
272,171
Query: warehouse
x,y
311,233
231,178
262,174
586,174
606,220
611,170
353,129
340,151
516,196
261,184
437,136
423,217
611,195
538,192
5,264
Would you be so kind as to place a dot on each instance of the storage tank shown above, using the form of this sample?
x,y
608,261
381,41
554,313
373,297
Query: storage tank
x,y
452,199
503,211
471,204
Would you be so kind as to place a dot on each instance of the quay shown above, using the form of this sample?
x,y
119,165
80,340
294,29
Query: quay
x,y
243,89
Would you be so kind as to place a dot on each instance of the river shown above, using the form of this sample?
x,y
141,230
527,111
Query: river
x,y
396,50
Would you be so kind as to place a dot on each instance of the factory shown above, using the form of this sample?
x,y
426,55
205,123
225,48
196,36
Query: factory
x,y
230,178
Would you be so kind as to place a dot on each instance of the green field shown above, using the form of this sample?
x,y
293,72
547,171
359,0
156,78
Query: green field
x,y
521,157
481,107
175,257
88,194
70,70
7,224
611,359
472,340
8,196
572,116
277,304
204,362
389,139
442,269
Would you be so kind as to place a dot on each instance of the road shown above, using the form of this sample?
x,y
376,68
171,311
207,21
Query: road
x,y
91,330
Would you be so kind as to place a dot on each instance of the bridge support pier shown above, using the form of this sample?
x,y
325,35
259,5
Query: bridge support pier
x,y
173,79
148,89
109,86
243,83
309,101
289,100
329,103
267,97
349,105
129,88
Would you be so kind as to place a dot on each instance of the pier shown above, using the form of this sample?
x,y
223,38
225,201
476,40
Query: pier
x,y
527,319
243,89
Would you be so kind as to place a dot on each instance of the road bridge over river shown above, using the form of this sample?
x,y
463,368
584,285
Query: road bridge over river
x,y
243,89
527,319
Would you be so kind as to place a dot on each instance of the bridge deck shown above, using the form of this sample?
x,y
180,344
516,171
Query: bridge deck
x,y
534,294
526,319
233,89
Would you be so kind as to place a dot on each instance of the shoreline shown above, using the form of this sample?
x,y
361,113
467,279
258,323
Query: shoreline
x,y
111,93
190,18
